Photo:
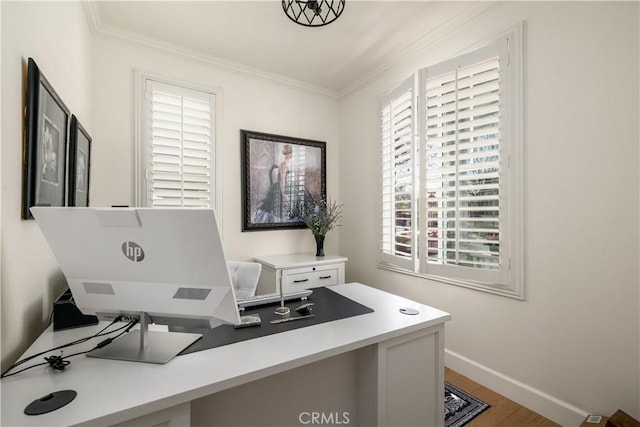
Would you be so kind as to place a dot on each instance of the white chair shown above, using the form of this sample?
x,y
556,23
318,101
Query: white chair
x,y
244,276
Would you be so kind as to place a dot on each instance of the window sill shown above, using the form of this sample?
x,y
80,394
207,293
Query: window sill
x,y
492,289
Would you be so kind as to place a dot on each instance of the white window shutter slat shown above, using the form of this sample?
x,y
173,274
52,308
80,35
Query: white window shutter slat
x,y
462,169
179,159
398,173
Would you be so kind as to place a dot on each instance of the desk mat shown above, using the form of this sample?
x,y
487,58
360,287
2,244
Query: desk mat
x,y
328,306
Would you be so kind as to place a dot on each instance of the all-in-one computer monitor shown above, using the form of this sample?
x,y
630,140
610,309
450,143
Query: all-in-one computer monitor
x,y
159,265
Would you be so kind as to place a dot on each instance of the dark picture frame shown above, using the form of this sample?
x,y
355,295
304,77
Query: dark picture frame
x,y
45,147
279,175
79,164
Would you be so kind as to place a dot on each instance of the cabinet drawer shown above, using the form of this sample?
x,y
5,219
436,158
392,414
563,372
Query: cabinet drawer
x,y
309,277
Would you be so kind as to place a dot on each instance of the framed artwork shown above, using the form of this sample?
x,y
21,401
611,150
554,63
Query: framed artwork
x,y
79,164
279,175
45,147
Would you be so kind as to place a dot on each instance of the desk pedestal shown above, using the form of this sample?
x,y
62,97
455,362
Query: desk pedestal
x,y
401,381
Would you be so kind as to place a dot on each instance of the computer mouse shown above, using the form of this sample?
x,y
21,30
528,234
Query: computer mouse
x,y
305,308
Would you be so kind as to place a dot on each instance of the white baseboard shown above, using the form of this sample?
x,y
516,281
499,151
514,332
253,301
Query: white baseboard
x,y
538,401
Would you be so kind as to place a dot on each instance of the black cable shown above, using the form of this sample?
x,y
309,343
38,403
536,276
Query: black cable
x,y
59,362
55,362
78,341
5,375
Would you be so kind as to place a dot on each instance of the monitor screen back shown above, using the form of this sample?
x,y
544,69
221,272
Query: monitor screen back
x,y
164,262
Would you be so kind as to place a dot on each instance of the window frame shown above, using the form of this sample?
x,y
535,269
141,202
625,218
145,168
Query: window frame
x,y
511,281
142,142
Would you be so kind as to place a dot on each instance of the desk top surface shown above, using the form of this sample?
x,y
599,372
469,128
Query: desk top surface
x,y
112,391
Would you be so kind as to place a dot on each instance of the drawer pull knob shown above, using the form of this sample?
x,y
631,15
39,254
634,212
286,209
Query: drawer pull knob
x,y
325,277
301,280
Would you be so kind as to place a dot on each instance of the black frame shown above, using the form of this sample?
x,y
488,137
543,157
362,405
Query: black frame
x,y
264,157
79,164
45,146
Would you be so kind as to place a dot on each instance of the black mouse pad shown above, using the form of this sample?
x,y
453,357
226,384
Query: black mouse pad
x,y
328,306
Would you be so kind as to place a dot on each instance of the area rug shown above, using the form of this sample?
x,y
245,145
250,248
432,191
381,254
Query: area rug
x,y
460,407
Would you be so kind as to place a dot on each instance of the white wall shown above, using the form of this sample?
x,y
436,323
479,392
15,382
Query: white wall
x,y
575,337
247,103
56,35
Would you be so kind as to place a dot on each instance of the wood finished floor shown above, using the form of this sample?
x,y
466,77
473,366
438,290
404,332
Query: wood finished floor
x,y
503,412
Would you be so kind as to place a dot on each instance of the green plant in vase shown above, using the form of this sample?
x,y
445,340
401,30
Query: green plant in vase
x,y
320,216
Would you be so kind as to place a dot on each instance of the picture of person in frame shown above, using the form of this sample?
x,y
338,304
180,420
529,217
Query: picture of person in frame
x,y
276,205
81,171
49,153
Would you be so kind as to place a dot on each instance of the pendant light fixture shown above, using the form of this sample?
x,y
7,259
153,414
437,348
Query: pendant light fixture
x,y
313,13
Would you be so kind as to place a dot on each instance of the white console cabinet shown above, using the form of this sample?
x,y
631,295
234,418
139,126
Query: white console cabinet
x,y
299,271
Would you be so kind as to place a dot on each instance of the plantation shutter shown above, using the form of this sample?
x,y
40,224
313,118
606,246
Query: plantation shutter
x,y
179,146
463,162
398,174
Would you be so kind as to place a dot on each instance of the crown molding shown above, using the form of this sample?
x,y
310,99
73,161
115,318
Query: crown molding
x,y
98,28
92,15
427,40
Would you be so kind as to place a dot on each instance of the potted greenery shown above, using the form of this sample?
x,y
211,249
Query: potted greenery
x,y
320,216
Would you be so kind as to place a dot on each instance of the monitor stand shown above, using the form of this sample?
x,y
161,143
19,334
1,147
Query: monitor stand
x,y
146,346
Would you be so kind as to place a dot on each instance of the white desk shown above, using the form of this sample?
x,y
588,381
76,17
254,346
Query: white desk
x,y
399,361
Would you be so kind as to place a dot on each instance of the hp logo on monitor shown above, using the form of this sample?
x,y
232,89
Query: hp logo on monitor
x,y
133,251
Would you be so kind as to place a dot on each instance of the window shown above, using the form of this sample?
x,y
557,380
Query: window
x,y
177,161
452,170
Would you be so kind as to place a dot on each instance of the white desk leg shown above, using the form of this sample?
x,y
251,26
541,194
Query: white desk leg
x,y
401,381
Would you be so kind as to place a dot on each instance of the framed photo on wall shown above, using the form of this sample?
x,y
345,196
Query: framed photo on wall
x,y
279,175
79,164
45,150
